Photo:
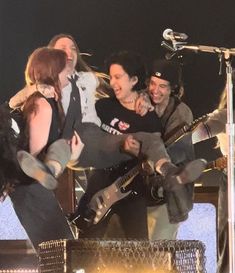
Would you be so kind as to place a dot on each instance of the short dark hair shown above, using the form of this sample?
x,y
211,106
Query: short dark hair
x,y
170,71
133,65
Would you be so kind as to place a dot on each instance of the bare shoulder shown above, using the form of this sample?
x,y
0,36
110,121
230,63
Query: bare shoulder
x,y
43,105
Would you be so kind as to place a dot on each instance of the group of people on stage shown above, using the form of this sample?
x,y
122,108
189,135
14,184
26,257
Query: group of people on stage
x,y
56,121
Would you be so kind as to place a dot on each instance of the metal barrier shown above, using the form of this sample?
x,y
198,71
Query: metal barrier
x,y
121,256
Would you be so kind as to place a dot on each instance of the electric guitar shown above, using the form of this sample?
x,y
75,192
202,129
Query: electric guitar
x,y
93,207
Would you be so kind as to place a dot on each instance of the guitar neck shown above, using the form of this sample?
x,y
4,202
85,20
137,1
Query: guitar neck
x,y
126,179
176,136
179,132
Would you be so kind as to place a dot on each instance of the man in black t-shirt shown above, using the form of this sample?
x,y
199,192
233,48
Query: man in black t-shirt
x,y
127,78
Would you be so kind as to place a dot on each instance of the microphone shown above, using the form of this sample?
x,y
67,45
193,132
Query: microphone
x,y
169,34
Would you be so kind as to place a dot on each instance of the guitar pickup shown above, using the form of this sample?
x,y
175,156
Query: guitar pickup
x,y
96,220
100,202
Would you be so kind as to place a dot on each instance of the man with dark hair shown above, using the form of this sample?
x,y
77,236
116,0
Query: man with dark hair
x,y
118,117
165,90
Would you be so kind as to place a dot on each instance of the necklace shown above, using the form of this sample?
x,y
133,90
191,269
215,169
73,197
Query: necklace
x,y
129,101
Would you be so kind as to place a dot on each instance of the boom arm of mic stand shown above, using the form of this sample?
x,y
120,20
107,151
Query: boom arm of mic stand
x,y
208,49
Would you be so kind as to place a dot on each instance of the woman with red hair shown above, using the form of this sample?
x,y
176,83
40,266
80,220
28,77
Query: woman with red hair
x,y
35,206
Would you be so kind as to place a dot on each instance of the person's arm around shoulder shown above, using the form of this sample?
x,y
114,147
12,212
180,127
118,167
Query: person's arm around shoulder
x,y
39,126
20,97
143,104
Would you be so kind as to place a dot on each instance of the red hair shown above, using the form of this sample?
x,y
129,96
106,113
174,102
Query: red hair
x,y
44,66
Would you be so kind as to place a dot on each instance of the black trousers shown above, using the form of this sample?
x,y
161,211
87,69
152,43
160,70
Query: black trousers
x,y
40,214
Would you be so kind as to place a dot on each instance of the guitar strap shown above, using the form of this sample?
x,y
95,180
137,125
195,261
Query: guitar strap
x,y
170,109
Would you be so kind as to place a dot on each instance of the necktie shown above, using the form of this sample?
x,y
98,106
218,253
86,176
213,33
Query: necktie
x,y
74,115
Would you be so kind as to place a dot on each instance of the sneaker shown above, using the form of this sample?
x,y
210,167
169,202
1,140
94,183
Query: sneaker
x,y
187,174
34,168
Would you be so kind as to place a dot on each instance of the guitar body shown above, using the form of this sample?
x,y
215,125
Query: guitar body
x,y
105,188
103,200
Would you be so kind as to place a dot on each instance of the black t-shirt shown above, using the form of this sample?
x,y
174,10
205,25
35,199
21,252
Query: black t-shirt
x,y
116,119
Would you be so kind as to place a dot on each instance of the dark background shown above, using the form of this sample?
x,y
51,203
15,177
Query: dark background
x,y
103,26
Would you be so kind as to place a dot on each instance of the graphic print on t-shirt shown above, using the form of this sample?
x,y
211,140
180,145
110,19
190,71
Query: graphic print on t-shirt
x,y
123,126
118,120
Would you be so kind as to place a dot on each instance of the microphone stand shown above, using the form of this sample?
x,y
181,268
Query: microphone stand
x,y
226,53
174,52
230,161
